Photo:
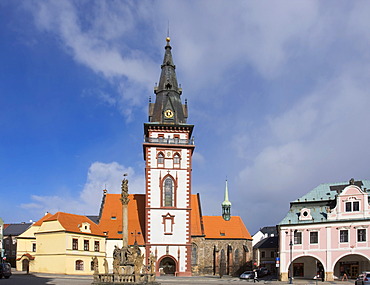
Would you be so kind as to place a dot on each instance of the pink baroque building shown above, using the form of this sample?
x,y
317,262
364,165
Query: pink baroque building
x,y
326,233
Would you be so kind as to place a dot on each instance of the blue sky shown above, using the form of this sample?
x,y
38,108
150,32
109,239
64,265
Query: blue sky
x,y
278,92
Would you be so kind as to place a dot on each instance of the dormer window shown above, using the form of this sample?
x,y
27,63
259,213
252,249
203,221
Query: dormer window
x,y
85,228
352,206
305,215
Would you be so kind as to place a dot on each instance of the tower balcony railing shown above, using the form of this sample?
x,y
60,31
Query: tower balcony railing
x,y
169,141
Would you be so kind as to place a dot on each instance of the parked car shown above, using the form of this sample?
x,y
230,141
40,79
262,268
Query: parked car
x,y
363,279
247,275
5,270
263,271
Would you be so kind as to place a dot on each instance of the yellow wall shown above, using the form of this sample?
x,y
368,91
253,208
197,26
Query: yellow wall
x,y
54,253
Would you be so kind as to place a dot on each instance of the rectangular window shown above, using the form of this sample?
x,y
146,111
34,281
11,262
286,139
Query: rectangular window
x,y
314,237
75,244
272,254
86,245
263,254
356,206
96,245
348,207
34,247
297,237
361,235
343,235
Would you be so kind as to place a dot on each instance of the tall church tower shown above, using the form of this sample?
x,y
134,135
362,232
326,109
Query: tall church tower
x,y
168,149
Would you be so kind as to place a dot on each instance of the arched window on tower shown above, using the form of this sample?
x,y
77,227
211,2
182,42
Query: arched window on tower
x,y
168,192
160,158
176,160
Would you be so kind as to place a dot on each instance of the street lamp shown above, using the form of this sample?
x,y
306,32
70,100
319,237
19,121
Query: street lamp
x,y
291,255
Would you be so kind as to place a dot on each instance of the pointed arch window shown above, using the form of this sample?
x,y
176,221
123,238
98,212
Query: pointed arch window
x,y
194,254
168,192
176,159
160,158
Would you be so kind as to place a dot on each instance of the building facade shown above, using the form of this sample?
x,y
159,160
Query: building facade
x,y
326,232
10,238
63,244
266,248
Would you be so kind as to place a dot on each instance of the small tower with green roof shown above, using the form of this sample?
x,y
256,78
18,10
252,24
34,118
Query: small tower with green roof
x,y
226,205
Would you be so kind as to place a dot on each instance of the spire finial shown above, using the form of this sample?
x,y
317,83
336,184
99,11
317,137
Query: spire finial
x,y
168,39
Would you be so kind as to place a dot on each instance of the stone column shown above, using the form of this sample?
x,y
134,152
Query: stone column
x,y
124,200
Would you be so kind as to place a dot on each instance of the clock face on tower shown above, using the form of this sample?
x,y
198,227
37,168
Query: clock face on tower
x,y
168,114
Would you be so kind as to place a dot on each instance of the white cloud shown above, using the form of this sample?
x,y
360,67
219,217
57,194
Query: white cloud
x,y
99,176
100,44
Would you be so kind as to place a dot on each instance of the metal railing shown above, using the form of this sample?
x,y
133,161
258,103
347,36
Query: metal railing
x,y
169,141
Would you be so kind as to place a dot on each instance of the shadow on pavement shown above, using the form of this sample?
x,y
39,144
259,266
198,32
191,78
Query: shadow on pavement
x,y
29,279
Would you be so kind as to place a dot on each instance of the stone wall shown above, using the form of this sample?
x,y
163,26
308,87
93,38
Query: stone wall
x,y
206,258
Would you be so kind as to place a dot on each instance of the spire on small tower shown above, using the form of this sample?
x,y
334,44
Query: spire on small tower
x,y
226,205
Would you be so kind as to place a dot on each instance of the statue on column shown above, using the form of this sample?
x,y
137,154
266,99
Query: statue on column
x,y
124,192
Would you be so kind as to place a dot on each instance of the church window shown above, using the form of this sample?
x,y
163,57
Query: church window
x,y
75,244
79,265
168,192
160,158
237,256
194,254
176,159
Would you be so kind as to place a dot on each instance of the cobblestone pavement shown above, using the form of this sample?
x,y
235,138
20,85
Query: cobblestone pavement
x,y
20,278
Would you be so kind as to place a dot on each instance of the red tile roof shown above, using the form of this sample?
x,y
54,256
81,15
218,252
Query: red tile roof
x,y
212,227
71,223
196,228
39,222
215,227
111,218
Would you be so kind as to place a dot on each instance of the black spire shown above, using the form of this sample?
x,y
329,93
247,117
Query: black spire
x,y
168,108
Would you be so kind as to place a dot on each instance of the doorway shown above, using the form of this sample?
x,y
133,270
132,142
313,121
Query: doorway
x,y
168,265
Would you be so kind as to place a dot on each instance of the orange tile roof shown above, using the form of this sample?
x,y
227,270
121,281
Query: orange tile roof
x,y
210,226
111,217
39,222
215,227
71,223
196,228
